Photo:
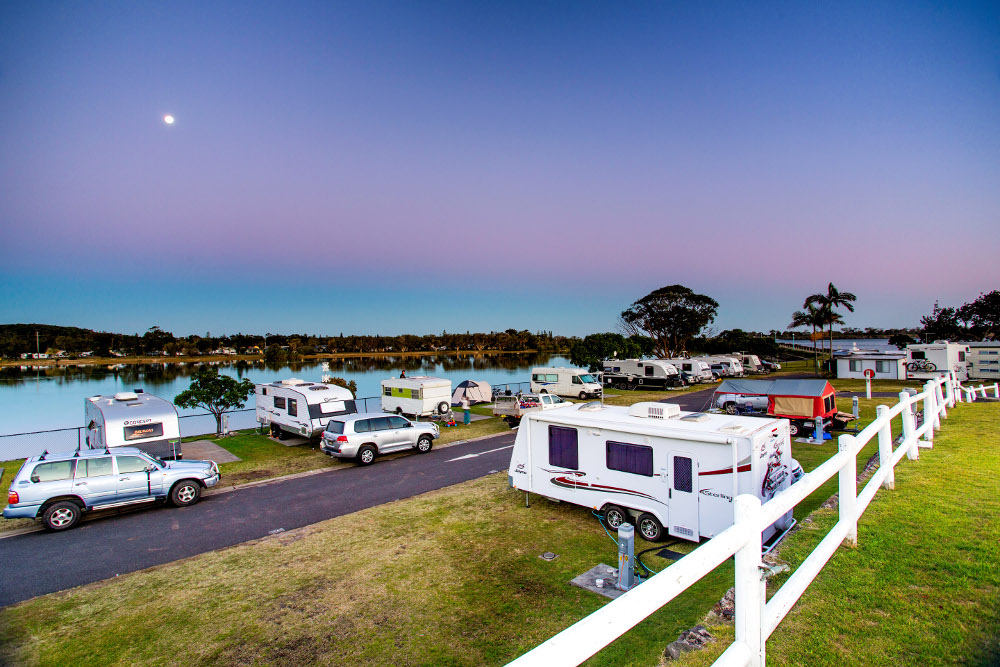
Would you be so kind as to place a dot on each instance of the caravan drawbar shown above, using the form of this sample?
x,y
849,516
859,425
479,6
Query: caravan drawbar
x,y
670,472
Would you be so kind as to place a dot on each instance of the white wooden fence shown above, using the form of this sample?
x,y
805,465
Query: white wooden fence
x,y
970,393
755,616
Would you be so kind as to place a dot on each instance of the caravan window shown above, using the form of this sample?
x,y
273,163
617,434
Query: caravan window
x,y
635,459
961,356
649,370
563,450
279,402
917,354
415,393
293,408
387,391
828,403
683,478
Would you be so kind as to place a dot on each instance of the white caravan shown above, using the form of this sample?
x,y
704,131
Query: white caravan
x,y
926,361
670,472
626,373
984,361
732,365
699,371
752,364
420,395
134,419
573,382
299,407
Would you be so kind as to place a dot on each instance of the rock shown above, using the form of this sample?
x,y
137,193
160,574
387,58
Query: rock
x,y
689,640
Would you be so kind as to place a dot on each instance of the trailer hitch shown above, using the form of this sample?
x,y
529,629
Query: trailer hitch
x,y
768,571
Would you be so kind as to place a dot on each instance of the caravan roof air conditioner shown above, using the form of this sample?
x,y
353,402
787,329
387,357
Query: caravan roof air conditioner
x,y
652,410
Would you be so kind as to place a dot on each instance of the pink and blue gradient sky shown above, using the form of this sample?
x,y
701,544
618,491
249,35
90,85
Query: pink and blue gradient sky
x,y
408,167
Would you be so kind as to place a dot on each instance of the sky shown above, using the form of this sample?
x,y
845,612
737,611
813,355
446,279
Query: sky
x,y
415,167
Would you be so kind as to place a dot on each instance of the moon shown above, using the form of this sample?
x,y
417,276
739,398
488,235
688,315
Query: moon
x,y
168,119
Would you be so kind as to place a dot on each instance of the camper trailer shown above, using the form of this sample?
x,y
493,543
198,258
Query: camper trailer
x,y
299,407
420,395
134,419
752,364
631,373
696,370
731,366
670,472
984,361
801,402
926,361
572,382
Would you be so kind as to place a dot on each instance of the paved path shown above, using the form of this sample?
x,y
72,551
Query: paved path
x,y
42,562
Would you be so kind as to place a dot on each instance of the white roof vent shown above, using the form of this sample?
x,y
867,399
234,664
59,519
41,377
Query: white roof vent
x,y
291,381
126,396
651,410
593,406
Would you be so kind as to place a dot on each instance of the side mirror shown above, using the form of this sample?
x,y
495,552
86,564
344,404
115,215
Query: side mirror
x,y
150,468
35,478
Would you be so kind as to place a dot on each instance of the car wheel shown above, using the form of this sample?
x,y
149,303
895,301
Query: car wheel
x,y
730,408
583,395
442,408
650,527
424,444
615,516
185,492
793,429
366,455
544,391
61,516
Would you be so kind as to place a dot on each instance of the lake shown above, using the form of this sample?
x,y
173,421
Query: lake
x,y
52,397
881,344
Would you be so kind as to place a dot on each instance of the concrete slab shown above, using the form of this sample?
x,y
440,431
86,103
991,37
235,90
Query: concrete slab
x,y
588,581
203,450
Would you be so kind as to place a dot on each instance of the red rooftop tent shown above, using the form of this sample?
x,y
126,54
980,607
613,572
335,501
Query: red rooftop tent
x,y
790,398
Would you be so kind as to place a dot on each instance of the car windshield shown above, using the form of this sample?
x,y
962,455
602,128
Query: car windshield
x,y
588,379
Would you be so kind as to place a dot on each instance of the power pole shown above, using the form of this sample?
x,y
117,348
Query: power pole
x,y
38,350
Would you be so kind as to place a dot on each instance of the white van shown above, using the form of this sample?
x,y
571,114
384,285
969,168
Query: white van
x,y
573,382
134,419
669,472
698,371
300,407
926,361
420,395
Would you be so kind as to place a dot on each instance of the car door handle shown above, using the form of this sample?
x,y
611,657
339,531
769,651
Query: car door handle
x,y
124,479
81,484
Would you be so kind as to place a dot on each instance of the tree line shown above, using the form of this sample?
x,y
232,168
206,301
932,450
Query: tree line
x,y
17,339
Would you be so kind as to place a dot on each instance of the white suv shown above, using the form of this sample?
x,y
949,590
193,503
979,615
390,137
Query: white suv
x,y
365,435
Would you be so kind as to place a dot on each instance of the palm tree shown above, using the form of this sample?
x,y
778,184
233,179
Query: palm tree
x,y
810,317
829,301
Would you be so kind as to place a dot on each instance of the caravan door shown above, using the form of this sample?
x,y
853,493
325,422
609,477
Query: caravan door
x,y
683,496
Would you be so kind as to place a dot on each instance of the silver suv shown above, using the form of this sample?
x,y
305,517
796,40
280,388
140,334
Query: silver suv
x,y
365,435
59,487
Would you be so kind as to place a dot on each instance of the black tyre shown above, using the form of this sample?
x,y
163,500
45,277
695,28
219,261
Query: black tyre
x,y
615,516
424,444
730,408
399,411
185,492
366,455
583,395
794,429
62,515
650,527
442,408
930,367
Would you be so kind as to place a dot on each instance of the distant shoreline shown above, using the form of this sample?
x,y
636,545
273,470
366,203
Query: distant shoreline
x,y
111,361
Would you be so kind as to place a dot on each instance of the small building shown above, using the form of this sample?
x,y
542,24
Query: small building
x,y
984,360
887,365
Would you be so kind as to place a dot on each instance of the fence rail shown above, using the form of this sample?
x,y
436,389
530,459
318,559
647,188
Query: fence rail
x,y
755,616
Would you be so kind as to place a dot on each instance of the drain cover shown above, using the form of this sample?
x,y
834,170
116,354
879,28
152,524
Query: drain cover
x,y
549,556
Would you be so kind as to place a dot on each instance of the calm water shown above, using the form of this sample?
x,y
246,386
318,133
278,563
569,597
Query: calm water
x,y
846,343
34,400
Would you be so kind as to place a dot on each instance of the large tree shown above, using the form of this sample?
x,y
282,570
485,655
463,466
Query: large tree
x,y
215,393
671,316
827,302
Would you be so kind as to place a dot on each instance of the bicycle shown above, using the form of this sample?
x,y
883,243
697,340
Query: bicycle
x,y
921,366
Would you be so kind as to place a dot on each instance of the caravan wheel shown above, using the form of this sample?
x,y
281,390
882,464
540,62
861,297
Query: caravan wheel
x,y
615,516
442,408
650,527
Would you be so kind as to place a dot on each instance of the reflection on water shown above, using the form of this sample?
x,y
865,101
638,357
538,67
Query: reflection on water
x,y
52,396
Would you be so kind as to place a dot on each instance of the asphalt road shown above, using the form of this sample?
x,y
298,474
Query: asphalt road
x,y
41,562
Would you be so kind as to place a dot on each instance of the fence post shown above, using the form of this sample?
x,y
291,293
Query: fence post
x,y
885,447
909,426
996,390
940,407
847,497
949,389
750,594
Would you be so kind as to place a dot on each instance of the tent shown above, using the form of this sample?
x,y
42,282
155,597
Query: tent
x,y
788,398
475,390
